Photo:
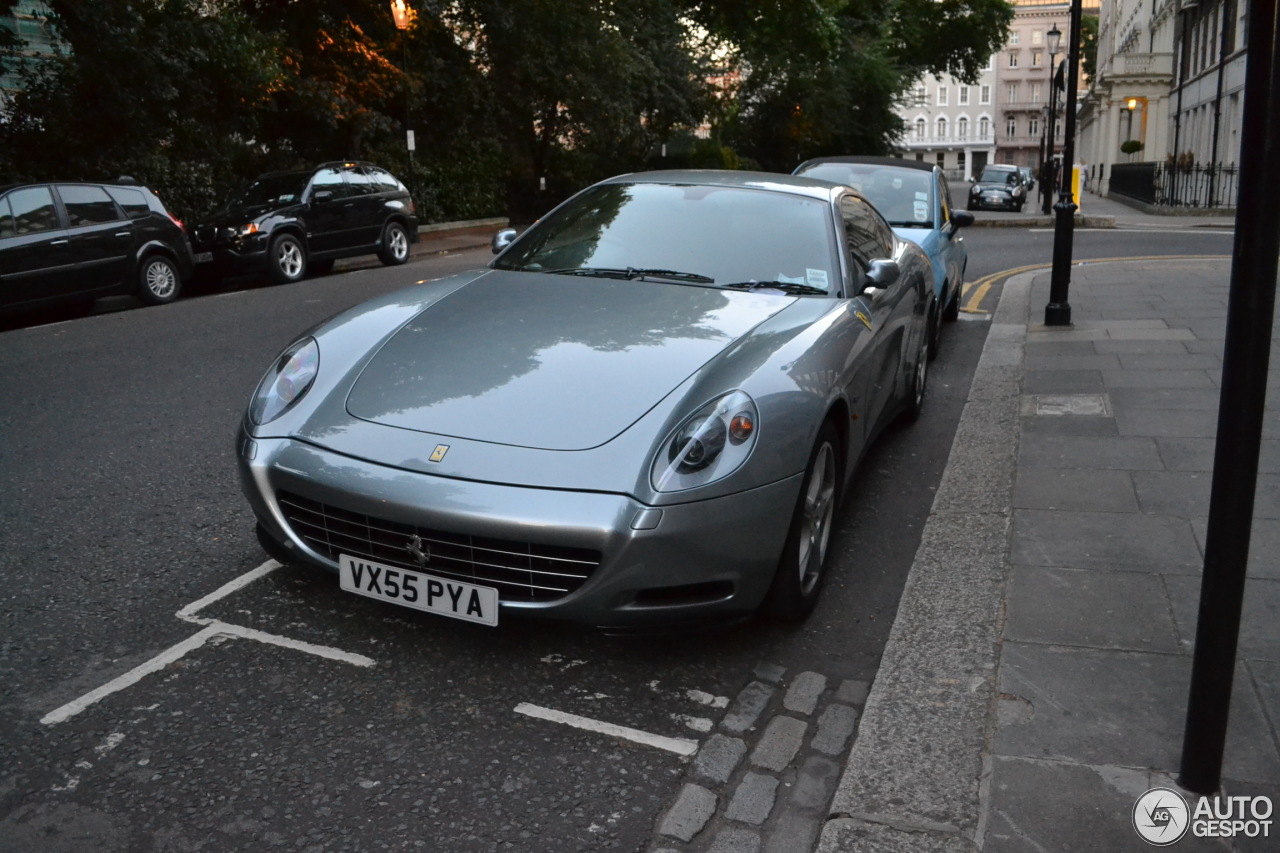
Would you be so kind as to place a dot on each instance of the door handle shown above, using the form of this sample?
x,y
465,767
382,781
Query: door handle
x,y
124,233
59,242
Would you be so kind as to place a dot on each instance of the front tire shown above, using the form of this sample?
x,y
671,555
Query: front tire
x,y
801,569
158,280
395,245
286,259
919,381
952,312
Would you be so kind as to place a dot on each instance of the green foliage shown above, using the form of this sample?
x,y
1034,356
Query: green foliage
x,y
1089,45
513,104
1130,146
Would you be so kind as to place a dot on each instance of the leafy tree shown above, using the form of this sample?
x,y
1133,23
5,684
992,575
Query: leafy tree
x,y
1089,45
164,91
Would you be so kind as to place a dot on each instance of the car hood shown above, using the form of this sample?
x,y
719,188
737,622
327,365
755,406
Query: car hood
x,y
548,361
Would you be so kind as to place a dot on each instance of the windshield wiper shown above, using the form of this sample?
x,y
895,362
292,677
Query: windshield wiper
x,y
785,286
630,273
911,224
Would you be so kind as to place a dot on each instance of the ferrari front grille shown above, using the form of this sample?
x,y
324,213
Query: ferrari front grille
x,y
520,571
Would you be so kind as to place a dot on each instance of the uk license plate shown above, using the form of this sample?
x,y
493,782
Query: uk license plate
x,y
420,591
203,257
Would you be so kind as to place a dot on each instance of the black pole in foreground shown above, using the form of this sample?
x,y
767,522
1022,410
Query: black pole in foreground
x,y
1251,306
1058,311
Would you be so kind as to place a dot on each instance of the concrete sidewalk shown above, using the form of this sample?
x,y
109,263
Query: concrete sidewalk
x,y
1098,212
1035,682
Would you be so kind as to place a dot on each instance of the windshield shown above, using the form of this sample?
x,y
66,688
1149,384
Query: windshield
x,y
903,196
998,176
700,235
272,190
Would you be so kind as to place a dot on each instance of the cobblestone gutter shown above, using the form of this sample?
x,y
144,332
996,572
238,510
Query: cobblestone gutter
x,y
763,781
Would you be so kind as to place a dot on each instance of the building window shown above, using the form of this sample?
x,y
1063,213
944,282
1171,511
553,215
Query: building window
x,y
920,125
1037,37
1013,37
962,128
1034,126
942,127
942,159
984,128
984,95
1011,93
960,160
1035,93
1011,127
1013,59
921,97
1035,58
964,96
942,96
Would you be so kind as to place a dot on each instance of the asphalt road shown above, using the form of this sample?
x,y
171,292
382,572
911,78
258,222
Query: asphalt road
x,y
328,722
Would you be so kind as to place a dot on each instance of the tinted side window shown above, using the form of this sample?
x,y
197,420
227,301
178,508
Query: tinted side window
x,y
88,205
33,210
329,179
360,182
866,233
385,181
7,228
133,202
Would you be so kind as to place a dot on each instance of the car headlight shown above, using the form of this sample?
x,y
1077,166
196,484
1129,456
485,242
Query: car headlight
x,y
709,445
286,382
247,230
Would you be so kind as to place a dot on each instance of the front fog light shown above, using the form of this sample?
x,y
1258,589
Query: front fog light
x,y
286,382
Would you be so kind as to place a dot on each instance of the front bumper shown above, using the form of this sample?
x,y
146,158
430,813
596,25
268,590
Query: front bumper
x,y
687,564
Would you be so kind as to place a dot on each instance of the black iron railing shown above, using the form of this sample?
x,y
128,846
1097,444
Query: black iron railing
x,y
1203,185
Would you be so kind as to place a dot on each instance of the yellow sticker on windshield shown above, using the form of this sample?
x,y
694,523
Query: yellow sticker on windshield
x,y
866,321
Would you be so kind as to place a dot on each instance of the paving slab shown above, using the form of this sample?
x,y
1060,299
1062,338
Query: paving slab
x,y
1104,540
1098,706
1103,610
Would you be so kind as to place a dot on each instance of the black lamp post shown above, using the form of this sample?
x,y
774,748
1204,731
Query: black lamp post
x,y
403,17
1053,40
1058,311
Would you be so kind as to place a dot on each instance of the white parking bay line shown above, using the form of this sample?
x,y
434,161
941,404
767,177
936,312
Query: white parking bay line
x,y
189,612
679,746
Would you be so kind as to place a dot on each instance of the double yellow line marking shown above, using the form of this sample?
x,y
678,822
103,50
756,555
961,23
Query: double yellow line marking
x,y
973,292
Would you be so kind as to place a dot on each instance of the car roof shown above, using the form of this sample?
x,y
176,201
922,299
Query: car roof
x,y
869,160
774,181
1004,167
124,181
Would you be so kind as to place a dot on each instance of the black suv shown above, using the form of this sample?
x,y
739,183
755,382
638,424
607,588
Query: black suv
x,y
68,242
294,223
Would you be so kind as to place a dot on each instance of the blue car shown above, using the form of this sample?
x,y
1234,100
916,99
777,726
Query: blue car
x,y
913,196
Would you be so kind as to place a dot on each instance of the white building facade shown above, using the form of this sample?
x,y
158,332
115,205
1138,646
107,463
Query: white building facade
x,y
1003,118
1170,78
951,123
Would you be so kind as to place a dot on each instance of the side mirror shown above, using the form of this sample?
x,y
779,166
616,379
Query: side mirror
x,y
503,239
881,274
961,218
321,196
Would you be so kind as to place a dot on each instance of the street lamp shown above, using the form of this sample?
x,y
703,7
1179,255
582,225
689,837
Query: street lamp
x,y
1053,40
401,14
1058,311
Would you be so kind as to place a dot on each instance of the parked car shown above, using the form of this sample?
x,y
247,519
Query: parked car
x,y
645,410
1028,177
998,186
65,242
289,224
915,199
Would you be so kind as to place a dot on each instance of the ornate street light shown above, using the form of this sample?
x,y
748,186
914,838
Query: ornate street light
x,y
1053,40
1058,310
403,17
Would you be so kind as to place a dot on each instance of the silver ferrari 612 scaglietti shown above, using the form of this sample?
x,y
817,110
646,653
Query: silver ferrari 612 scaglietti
x,y
644,410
